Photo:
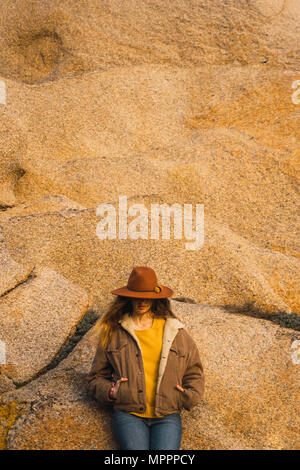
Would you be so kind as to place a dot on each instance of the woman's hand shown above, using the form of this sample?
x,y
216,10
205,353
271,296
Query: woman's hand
x,y
116,387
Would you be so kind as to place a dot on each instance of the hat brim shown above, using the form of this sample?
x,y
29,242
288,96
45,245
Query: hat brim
x,y
124,291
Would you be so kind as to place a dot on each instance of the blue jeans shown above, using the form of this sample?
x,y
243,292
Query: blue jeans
x,y
136,433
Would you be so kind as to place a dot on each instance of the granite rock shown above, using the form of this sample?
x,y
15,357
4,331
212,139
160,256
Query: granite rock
x,y
36,319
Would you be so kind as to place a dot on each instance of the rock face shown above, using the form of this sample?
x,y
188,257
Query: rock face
x,y
56,40
247,404
11,273
36,318
224,138
174,102
12,146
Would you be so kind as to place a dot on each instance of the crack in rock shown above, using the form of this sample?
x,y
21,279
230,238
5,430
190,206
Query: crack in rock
x,y
83,326
29,277
285,320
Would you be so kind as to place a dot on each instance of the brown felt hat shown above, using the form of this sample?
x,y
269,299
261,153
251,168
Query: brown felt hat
x,y
142,283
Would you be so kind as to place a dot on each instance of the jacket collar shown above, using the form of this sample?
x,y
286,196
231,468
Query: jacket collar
x,y
172,325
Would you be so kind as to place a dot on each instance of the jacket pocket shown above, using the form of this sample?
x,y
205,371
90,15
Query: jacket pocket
x,y
172,397
124,394
115,348
178,359
116,356
178,351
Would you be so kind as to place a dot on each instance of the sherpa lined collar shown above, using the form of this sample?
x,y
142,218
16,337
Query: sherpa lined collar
x,y
172,325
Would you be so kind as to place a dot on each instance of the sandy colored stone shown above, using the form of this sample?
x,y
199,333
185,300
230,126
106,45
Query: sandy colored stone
x,y
12,146
11,273
43,41
250,399
6,384
222,136
43,204
227,270
36,319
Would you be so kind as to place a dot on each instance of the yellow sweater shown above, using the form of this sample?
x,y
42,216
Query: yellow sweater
x,y
151,343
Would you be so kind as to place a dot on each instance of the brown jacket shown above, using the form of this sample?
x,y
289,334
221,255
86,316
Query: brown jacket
x,y
179,364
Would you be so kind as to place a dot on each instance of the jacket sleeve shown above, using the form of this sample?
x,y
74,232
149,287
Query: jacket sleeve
x,y
99,380
193,379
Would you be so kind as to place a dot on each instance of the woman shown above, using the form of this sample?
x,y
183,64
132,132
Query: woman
x,y
146,365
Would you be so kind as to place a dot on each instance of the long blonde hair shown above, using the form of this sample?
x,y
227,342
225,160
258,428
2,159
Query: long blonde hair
x,y
108,323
